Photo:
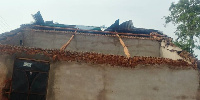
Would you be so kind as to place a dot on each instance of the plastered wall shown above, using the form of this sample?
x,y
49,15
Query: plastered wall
x,y
89,43
80,81
169,54
167,51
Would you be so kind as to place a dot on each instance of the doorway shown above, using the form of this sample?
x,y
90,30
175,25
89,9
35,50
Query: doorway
x,y
29,80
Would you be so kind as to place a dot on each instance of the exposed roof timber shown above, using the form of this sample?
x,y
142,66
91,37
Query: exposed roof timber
x,y
112,35
66,44
126,51
100,32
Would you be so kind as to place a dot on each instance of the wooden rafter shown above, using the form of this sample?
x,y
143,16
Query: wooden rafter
x,y
124,46
68,42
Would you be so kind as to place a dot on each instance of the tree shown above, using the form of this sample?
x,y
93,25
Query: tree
x,y
185,14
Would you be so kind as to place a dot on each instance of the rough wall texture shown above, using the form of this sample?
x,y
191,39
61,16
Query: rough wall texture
x,y
6,67
13,39
169,54
79,81
167,51
138,47
90,43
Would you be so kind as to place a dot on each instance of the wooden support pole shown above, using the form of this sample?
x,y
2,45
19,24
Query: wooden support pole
x,y
65,45
124,46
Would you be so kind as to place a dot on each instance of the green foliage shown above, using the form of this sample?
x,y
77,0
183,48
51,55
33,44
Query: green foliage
x,y
186,16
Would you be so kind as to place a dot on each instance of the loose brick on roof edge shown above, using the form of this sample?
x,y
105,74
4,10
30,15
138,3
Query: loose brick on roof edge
x,y
97,58
109,35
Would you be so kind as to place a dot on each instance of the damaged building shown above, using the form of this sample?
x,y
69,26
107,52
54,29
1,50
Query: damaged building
x,y
52,61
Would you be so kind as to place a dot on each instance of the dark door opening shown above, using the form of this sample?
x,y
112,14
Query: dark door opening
x,y
29,80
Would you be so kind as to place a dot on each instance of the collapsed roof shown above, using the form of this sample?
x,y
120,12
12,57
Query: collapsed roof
x,y
125,27
38,19
125,30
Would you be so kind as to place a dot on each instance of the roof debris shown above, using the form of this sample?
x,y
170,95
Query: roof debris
x,y
125,27
38,19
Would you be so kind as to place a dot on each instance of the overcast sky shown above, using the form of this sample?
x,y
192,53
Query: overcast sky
x,y
144,13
